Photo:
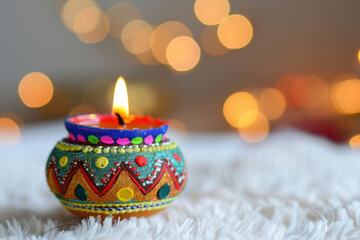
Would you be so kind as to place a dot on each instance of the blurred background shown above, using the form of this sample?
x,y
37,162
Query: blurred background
x,y
249,66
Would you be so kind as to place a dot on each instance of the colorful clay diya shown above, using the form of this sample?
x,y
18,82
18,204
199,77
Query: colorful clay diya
x,y
104,169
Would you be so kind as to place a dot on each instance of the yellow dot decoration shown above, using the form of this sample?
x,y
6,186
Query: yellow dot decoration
x,y
125,194
101,162
63,161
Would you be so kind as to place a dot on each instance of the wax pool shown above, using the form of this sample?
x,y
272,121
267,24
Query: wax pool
x,y
111,122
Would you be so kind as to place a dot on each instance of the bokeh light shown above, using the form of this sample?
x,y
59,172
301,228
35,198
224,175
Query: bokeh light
x,y
344,76
97,34
309,91
345,96
10,134
354,142
13,116
359,55
59,5
82,109
272,103
256,131
35,89
59,105
183,53
235,31
211,43
71,9
136,36
162,36
119,15
211,12
178,125
147,58
284,84
240,109
87,20
144,95
127,56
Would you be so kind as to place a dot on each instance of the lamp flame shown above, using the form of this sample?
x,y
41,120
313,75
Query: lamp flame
x,y
121,102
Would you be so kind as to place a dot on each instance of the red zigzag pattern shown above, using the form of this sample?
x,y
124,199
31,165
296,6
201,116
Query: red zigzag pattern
x,y
164,168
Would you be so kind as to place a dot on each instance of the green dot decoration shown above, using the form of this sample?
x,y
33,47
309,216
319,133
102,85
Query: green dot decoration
x,y
93,139
137,140
158,138
163,191
80,193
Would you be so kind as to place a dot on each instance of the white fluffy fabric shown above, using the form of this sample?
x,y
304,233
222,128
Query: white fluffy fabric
x,y
292,186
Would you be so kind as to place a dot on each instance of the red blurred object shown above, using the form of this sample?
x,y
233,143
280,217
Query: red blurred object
x,y
325,127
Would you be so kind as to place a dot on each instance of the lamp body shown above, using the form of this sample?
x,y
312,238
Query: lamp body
x,y
122,180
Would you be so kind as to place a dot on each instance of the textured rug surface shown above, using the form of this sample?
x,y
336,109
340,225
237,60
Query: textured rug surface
x,y
292,186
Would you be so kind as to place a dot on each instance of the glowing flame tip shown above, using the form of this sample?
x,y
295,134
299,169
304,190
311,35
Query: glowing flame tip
x,y
121,102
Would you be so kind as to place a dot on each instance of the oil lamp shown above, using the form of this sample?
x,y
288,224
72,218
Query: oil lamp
x,y
116,164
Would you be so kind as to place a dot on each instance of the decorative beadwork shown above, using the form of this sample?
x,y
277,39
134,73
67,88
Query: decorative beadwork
x,y
80,193
146,179
141,161
101,162
125,194
107,140
123,141
164,146
163,191
118,208
63,161
93,139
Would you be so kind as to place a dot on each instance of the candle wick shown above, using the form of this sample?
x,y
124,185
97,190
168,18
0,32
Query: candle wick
x,y
120,119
